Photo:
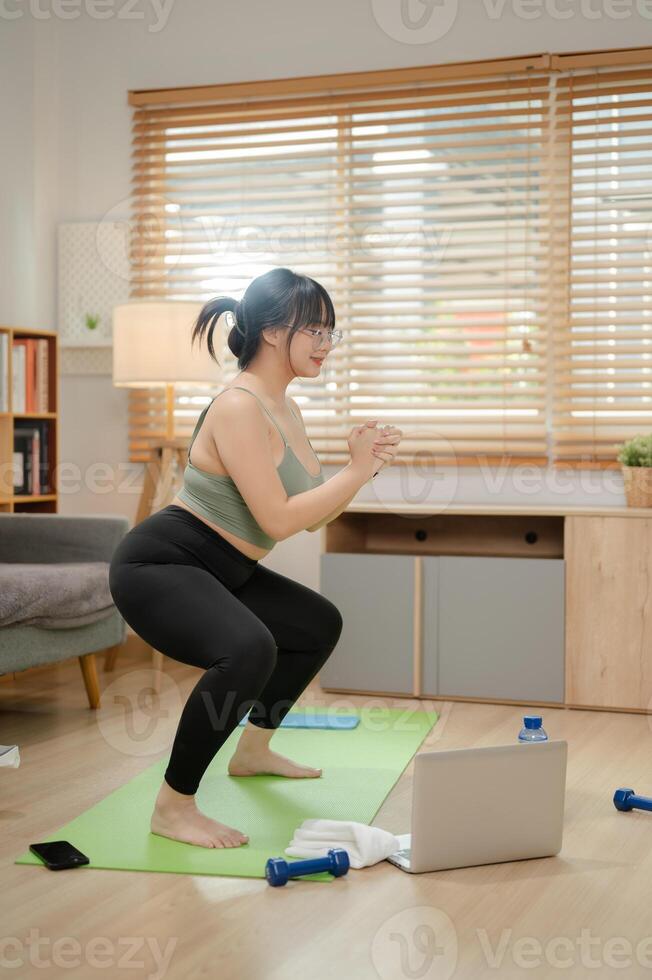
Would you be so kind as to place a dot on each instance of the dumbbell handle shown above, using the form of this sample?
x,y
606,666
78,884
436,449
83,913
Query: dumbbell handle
x,y
308,867
640,802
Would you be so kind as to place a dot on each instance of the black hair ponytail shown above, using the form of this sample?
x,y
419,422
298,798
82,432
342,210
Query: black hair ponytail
x,y
207,321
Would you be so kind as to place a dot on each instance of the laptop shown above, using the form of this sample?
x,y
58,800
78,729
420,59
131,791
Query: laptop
x,y
485,805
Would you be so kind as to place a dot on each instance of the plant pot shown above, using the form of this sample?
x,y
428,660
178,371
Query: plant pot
x,y
638,485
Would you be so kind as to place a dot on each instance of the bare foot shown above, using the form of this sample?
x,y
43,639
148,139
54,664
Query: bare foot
x,y
176,816
265,761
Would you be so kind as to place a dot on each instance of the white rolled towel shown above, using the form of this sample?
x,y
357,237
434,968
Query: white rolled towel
x,y
9,756
365,845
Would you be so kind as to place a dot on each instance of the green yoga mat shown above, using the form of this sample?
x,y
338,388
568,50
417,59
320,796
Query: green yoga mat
x,y
360,767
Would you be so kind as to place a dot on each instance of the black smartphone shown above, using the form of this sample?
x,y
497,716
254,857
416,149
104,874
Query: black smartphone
x,y
59,854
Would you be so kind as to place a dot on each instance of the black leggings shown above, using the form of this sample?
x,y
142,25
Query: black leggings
x,y
260,637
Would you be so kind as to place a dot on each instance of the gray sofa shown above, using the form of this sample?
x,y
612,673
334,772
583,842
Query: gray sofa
x,y
55,601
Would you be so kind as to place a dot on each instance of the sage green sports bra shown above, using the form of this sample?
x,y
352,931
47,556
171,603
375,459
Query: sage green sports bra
x,y
217,497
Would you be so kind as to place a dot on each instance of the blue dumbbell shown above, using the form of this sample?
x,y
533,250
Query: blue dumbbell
x,y
626,799
277,870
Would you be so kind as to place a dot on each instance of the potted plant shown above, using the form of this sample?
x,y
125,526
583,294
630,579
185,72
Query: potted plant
x,y
636,458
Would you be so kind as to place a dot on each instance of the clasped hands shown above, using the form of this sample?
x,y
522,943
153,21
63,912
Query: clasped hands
x,y
386,444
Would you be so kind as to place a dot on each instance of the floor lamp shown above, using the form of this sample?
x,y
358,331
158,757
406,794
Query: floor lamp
x,y
152,349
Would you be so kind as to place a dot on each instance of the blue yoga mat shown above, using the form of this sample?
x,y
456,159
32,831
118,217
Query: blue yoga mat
x,y
309,719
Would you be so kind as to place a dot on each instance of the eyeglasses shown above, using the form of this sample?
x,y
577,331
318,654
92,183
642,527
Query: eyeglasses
x,y
333,336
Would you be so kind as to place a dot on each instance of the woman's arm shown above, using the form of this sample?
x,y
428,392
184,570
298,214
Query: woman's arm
x,y
331,517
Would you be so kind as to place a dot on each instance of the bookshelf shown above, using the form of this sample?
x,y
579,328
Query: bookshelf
x,y
12,421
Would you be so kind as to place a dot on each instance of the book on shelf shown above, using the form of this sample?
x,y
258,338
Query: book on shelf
x,y
30,389
31,456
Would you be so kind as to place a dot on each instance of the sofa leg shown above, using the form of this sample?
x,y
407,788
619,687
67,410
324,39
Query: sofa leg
x,y
89,673
110,657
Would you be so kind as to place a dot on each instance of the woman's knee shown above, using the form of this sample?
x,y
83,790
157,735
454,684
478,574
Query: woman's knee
x,y
253,653
329,622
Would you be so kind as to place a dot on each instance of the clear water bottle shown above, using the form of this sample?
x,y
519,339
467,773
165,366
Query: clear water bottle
x,y
532,730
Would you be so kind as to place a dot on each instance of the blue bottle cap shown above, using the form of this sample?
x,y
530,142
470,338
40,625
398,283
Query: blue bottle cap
x,y
532,721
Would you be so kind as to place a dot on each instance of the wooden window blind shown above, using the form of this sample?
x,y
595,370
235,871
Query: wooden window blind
x,y
603,344
448,212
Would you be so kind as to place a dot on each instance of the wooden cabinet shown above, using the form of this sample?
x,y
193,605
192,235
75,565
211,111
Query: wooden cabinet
x,y
609,616
527,605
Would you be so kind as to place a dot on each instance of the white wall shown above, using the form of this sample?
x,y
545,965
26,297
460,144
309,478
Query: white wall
x,y
17,268
63,100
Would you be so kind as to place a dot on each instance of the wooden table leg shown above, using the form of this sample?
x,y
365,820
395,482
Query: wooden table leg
x,y
150,482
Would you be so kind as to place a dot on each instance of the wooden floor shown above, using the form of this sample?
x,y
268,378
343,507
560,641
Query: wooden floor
x,y
586,912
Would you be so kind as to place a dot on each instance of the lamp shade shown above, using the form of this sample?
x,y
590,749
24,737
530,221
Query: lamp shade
x,y
152,345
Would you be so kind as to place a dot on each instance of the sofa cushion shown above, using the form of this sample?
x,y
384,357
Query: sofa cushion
x,y
54,595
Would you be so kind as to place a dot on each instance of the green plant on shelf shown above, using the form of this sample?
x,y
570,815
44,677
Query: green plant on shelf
x,y
636,451
91,321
